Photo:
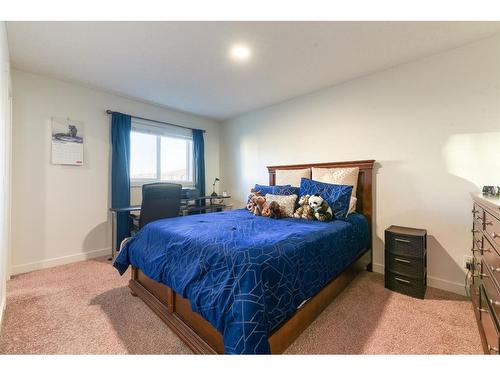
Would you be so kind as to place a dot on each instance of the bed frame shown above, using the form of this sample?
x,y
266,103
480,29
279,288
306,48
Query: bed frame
x,y
202,338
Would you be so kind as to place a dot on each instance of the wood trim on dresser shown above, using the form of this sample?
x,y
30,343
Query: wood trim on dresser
x,y
202,338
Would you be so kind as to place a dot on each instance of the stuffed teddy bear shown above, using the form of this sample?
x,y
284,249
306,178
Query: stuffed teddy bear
x,y
250,202
321,208
304,211
260,204
272,210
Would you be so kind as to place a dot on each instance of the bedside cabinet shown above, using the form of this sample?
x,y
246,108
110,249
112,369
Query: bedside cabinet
x,y
406,260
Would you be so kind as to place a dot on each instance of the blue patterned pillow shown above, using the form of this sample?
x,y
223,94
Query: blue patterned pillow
x,y
276,190
337,196
287,190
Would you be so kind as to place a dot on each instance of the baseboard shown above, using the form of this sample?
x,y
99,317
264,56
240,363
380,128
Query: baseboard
x,y
435,282
28,267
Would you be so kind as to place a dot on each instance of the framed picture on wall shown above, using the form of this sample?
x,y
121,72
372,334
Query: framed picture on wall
x,y
67,141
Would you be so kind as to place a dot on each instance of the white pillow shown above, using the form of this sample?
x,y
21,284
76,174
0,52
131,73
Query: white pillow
x,y
291,176
286,202
339,176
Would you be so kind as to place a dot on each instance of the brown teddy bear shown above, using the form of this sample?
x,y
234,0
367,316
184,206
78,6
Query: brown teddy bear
x,y
272,210
304,211
250,202
260,204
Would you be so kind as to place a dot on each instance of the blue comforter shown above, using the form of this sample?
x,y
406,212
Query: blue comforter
x,y
245,274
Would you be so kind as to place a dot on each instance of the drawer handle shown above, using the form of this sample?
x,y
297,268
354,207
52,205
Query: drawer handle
x,y
495,303
401,240
493,269
483,275
494,235
475,230
483,310
402,280
492,348
402,260
475,211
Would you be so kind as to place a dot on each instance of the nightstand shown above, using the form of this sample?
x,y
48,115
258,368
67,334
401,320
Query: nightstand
x,y
406,260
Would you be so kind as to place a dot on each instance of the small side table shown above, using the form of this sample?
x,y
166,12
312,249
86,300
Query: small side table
x,y
406,260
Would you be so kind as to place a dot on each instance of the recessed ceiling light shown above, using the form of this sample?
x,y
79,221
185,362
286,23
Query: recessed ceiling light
x,y
240,52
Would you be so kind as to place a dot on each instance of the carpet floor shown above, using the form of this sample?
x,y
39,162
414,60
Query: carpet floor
x,y
86,308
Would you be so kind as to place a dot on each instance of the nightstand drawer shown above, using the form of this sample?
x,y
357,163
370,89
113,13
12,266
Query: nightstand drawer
x,y
405,245
413,267
411,286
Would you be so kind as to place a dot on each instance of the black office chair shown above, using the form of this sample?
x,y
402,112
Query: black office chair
x,y
159,201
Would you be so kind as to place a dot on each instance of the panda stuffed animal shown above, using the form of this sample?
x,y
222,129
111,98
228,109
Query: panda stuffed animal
x,y
321,208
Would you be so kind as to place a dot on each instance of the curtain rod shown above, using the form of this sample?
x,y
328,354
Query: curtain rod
x,y
109,112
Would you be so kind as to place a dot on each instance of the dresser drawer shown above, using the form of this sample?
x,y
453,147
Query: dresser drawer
x,y
406,246
413,267
478,215
477,241
492,291
490,327
476,271
411,286
491,260
492,228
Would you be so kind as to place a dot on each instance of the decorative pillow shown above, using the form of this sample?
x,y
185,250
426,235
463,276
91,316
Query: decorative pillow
x,y
288,190
286,202
352,205
277,189
339,176
337,196
291,176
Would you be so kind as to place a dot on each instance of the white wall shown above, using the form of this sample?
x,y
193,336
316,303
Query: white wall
x,y
432,125
60,213
5,141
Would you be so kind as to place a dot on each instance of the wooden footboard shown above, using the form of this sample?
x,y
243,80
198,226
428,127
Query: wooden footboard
x,y
203,338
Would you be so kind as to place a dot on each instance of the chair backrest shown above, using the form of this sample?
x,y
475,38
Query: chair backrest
x,y
159,201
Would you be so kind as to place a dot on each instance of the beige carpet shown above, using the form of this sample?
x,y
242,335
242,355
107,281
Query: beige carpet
x,y
86,308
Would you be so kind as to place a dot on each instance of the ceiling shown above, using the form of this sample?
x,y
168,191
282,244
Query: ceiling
x,y
186,65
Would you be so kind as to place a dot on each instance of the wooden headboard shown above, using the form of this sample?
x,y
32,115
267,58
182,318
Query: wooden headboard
x,y
364,190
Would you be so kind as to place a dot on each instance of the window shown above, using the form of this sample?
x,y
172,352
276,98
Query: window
x,y
160,153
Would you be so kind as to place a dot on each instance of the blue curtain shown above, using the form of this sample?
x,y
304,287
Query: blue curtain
x,y
199,161
120,179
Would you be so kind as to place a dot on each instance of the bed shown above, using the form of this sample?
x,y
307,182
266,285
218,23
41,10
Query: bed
x,y
231,282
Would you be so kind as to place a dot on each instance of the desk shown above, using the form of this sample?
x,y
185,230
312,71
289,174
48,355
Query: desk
x,y
186,208
190,208
114,212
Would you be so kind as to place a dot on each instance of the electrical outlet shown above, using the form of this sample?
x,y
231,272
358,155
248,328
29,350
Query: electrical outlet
x,y
468,260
